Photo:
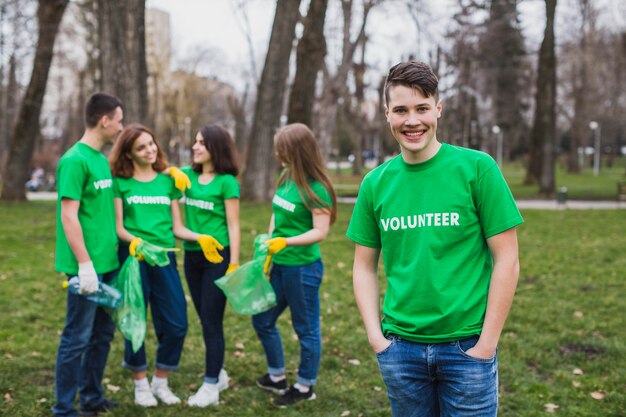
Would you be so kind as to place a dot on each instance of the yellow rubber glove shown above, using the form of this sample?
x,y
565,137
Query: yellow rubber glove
x,y
231,268
275,245
181,180
132,248
210,247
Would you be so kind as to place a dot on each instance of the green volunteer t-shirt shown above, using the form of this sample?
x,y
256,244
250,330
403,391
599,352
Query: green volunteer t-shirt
x,y
147,208
292,218
83,175
432,221
205,211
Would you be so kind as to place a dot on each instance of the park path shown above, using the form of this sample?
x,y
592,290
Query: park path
x,y
522,204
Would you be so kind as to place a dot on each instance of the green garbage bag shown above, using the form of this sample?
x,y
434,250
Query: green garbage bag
x,y
153,254
247,288
130,316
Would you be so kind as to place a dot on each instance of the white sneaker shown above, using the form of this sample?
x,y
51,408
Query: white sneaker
x,y
222,380
164,394
207,394
144,397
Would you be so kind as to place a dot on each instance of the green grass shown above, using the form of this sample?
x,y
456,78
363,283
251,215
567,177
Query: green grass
x,y
584,186
568,314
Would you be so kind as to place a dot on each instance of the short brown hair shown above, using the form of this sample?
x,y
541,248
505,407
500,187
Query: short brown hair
x,y
121,165
413,74
98,105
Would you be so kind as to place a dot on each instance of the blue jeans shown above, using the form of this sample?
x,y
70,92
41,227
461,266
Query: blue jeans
x,y
163,291
82,354
432,380
210,303
298,288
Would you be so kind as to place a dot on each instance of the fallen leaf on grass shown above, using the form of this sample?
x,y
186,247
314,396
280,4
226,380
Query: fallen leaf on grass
x,y
577,371
8,356
113,388
550,408
578,314
576,384
354,362
341,265
8,398
378,389
597,395
239,346
42,400
345,413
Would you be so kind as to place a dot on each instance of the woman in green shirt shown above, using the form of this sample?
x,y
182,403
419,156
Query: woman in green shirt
x,y
146,208
212,206
304,207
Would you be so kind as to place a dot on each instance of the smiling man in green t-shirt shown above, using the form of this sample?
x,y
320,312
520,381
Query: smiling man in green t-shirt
x,y
444,219
86,245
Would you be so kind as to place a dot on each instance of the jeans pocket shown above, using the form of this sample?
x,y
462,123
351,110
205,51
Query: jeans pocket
x,y
463,345
393,341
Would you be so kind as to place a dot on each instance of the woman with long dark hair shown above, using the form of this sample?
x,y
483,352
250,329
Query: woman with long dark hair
x,y
212,207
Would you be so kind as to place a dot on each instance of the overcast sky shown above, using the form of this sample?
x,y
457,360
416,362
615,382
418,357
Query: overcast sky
x,y
217,27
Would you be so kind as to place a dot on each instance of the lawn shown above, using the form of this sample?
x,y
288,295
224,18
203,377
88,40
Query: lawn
x,y
563,343
584,186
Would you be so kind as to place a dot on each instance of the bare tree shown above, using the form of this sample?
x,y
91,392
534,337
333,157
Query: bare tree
x,y
260,167
309,61
541,158
502,56
335,85
122,39
26,130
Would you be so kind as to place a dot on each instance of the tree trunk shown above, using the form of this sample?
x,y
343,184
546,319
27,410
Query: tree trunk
x,y
258,177
309,61
335,86
541,162
26,130
122,38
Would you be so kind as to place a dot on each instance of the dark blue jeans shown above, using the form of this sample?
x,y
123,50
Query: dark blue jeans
x,y
439,380
82,354
163,292
209,302
296,287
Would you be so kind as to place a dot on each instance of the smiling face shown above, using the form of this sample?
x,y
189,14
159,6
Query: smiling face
x,y
413,122
201,154
144,151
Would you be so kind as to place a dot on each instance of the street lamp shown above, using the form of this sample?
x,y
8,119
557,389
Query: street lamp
x,y
595,127
498,132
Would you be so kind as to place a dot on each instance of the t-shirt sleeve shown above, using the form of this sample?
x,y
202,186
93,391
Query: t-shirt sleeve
x,y
116,188
496,206
175,193
363,228
230,187
71,178
322,193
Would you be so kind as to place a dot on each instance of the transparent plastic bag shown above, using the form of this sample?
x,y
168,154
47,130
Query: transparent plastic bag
x,y
153,254
247,288
130,315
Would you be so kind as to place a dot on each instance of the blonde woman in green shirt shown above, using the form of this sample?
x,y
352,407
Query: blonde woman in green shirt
x,y
304,207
